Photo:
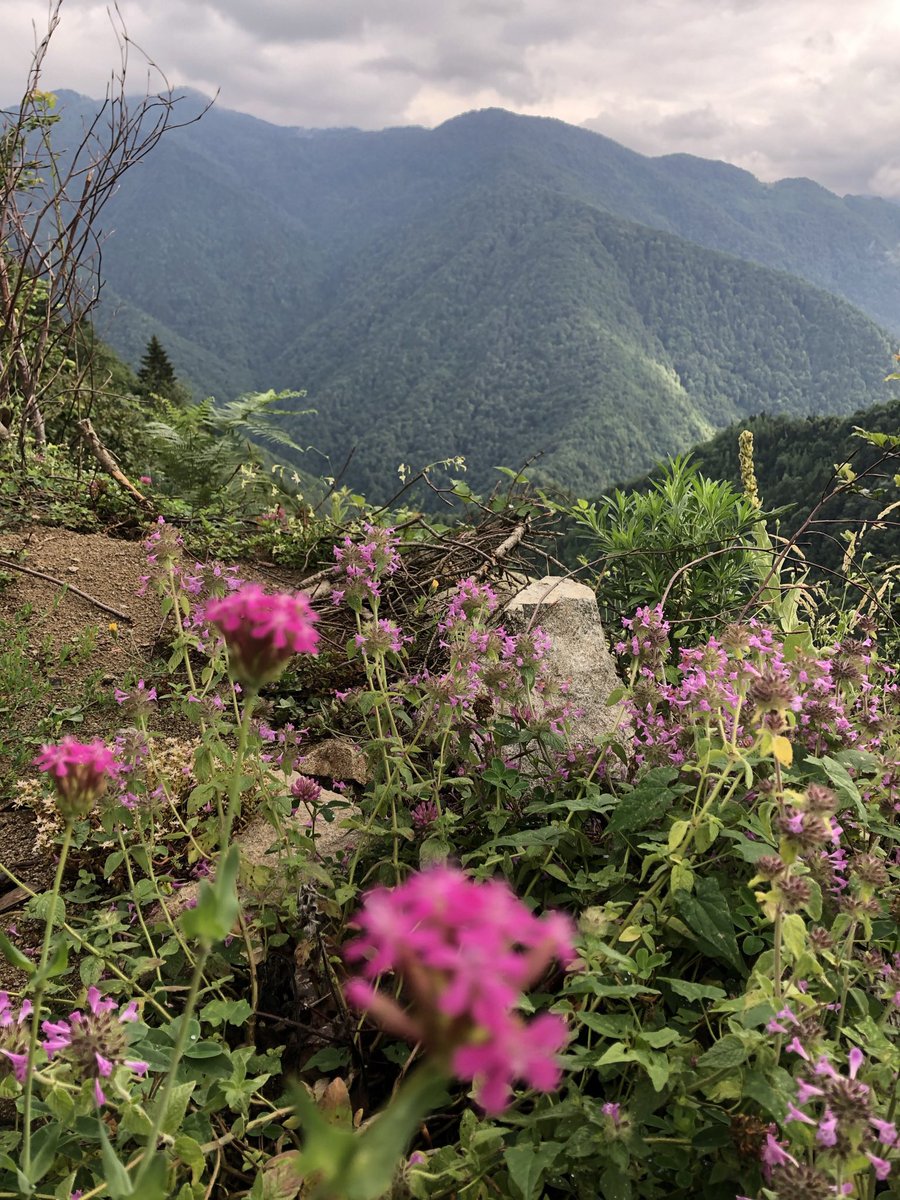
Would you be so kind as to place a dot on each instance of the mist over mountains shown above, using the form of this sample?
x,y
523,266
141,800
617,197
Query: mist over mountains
x,y
497,287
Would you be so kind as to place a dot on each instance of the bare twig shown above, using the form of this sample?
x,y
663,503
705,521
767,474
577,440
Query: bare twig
x,y
115,612
107,462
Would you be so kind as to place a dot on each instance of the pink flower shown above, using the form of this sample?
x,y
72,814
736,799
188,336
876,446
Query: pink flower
x,y
263,630
796,1047
305,790
94,1041
774,1155
465,951
81,772
886,1132
881,1165
826,1134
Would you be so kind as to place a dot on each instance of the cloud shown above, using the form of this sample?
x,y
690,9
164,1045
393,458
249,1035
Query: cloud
x,y
781,87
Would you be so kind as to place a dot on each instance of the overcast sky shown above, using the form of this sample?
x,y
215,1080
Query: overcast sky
x,y
781,87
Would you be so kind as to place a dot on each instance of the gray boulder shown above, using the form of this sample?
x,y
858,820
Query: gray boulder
x,y
567,611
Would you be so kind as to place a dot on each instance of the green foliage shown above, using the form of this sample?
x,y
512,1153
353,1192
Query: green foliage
x,y
799,463
157,375
205,453
686,536
499,287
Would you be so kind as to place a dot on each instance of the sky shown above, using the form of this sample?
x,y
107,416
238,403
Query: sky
x,y
780,87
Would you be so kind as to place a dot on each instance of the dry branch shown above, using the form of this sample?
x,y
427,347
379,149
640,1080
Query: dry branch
x,y
108,463
108,608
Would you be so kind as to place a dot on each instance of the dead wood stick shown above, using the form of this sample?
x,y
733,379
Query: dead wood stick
x,y
63,584
107,462
503,549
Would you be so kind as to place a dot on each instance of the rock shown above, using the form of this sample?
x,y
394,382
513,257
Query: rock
x,y
258,836
567,611
335,758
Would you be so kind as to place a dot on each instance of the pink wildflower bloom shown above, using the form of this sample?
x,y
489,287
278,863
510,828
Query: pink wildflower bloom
x,y
14,1035
613,1111
81,772
306,790
886,1132
795,1114
94,1041
774,1155
19,1064
795,1046
145,479
465,951
881,1165
826,1135
263,630
380,636
807,1091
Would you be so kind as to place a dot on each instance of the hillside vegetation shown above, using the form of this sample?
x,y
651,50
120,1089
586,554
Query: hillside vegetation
x,y
498,287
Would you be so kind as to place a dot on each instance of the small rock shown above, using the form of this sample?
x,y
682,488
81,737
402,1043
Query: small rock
x,y
335,758
257,836
567,611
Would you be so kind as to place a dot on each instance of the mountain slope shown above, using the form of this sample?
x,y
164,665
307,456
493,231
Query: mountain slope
x,y
536,324
498,286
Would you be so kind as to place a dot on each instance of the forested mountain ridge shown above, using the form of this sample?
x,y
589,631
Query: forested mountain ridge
x,y
496,287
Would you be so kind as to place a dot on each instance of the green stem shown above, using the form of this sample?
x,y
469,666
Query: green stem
x,y
126,858
234,783
40,986
177,1055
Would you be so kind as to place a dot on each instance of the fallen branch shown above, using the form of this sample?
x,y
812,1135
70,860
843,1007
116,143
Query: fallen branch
x,y
503,549
63,584
108,463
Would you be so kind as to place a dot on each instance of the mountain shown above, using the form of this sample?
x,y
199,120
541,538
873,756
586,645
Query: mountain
x,y
496,287
795,463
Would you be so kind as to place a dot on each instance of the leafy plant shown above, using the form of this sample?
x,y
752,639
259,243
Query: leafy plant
x,y
686,537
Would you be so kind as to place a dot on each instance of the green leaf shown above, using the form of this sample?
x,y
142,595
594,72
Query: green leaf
x,y
15,957
328,1059
644,806
706,914
190,1152
527,1165
386,1139
728,1051
434,850
692,991
226,1012
213,918
793,934
43,1150
841,780
177,1107
61,1105
758,1088
658,1039
118,1181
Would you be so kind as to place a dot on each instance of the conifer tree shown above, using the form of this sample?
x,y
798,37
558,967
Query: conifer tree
x,y
157,375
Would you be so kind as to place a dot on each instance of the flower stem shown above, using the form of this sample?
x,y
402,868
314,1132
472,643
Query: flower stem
x,y
162,1103
40,986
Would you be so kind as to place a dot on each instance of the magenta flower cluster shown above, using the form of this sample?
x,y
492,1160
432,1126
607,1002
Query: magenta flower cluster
x,y
81,773
94,1042
361,566
488,664
834,700
263,631
839,1107
381,636
465,952
14,1035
